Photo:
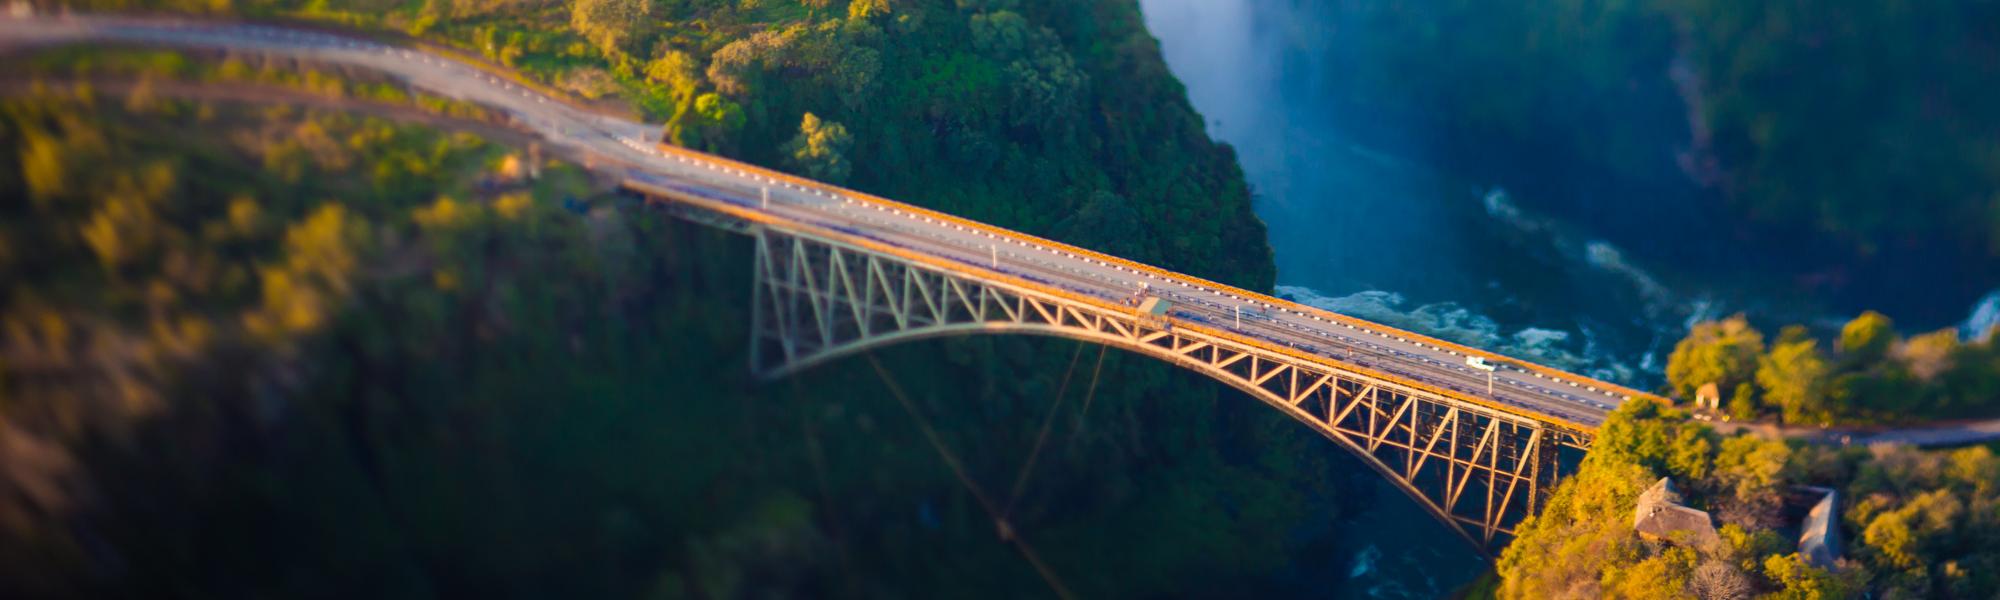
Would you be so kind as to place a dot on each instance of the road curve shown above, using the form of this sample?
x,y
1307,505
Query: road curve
x,y
627,148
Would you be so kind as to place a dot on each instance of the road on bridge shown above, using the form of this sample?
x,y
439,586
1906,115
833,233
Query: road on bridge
x,y
628,146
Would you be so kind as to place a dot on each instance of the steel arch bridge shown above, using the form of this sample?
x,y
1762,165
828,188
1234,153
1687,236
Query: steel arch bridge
x,y
818,296
828,285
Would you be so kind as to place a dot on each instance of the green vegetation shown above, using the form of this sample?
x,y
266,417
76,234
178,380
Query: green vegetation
x,y
819,151
1021,112
1871,375
1720,352
263,351
1916,524
275,352
148,68
1864,118
1870,123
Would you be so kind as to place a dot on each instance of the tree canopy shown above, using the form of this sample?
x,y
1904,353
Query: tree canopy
x,y
380,313
610,24
1720,352
820,150
1915,522
1874,374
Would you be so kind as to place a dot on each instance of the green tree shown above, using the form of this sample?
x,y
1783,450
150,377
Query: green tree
x,y
736,67
1748,473
1793,378
1863,154
1665,576
718,119
609,24
1913,535
1743,402
1657,437
1867,338
849,70
1565,550
1885,392
1890,535
1972,384
867,9
676,70
1798,580
1720,352
819,151
1929,354
1043,78
1107,223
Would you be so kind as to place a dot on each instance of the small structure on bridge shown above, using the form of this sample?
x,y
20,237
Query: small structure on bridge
x,y
1154,309
1660,515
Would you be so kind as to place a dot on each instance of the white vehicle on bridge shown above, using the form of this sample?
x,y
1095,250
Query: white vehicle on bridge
x,y
1478,362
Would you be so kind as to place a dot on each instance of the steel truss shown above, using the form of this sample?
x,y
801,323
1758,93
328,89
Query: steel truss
x,y
1477,469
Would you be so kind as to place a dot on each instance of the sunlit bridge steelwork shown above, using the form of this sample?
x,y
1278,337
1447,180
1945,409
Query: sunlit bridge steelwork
x,y
823,295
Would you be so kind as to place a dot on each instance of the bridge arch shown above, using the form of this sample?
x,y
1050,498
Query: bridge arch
x,y
1476,469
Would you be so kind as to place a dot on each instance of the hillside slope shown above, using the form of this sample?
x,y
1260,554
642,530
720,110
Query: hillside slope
x,y
269,351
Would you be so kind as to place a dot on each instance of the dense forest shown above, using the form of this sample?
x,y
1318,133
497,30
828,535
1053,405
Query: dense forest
x,y
1847,142
329,336
1914,523
1054,117
1870,374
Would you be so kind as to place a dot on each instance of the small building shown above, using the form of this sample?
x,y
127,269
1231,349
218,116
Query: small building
x,y
1708,396
1660,515
1819,533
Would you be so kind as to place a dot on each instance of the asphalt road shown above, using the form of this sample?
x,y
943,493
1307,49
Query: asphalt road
x,y
617,144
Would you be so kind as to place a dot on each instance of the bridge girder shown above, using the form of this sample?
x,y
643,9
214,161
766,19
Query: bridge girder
x,y
1476,469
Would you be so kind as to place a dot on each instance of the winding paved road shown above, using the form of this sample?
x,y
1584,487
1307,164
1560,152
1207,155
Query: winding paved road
x,y
622,145
1930,435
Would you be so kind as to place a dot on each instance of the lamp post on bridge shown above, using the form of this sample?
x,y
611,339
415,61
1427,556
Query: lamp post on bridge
x,y
1481,364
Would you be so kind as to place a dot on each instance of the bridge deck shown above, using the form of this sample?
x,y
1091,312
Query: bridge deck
x,y
822,293
615,144
1519,387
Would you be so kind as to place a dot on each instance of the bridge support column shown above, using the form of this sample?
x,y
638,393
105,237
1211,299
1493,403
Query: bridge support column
x,y
757,308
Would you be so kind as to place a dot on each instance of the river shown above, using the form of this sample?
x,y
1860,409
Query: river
x,y
1376,231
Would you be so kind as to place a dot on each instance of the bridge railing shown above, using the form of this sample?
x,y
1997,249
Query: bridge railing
x,y
752,215
1476,464
1109,260
817,298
